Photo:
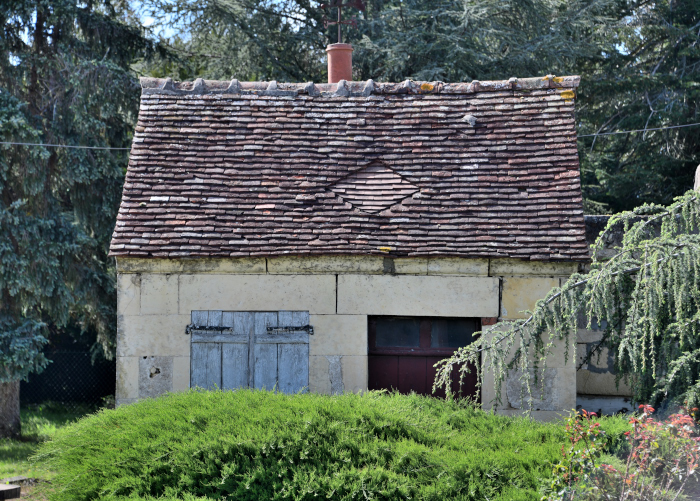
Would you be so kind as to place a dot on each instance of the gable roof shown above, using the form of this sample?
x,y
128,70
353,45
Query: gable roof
x,y
480,169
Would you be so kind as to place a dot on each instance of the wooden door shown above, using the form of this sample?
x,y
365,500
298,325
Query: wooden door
x,y
264,350
404,350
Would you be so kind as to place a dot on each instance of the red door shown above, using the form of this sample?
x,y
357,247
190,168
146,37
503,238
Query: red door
x,y
403,351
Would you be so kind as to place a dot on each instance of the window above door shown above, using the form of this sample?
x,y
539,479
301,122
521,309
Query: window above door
x,y
420,336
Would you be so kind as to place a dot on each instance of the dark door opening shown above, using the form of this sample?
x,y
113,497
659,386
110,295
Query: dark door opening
x,y
403,350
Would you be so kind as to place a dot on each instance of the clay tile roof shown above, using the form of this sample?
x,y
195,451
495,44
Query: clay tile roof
x,y
480,169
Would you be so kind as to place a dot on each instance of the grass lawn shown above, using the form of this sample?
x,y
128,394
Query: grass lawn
x,y
255,445
39,423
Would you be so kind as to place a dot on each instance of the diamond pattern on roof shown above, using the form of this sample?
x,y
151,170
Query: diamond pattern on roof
x,y
373,188
239,169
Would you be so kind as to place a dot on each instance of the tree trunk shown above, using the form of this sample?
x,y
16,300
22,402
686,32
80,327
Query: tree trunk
x,y
9,410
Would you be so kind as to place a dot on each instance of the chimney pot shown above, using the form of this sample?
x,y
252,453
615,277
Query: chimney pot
x,y
339,62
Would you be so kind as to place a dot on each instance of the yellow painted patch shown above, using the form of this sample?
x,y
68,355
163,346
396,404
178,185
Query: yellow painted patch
x,y
385,249
558,79
568,94
427,87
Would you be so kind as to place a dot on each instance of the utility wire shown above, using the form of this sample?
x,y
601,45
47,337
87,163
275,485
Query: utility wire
x,y
125,149
64,146
638,130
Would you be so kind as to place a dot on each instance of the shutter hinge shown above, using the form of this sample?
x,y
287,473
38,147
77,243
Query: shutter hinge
x,y
218,328
270,330
287,330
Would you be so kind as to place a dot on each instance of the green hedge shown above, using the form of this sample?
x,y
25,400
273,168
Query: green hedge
x,y
256,445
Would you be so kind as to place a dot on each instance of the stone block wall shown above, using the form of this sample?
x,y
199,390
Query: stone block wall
x,y
522,285
596,387
156,297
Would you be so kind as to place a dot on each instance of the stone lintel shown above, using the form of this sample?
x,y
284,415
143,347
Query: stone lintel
x,y
341,264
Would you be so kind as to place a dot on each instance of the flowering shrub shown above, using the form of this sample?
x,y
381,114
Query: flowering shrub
x,y
572,474
663,456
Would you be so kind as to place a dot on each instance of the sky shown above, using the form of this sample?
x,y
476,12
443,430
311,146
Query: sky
x,y
149,21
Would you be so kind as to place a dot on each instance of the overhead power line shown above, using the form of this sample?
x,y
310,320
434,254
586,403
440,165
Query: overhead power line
x,y
638,130
71,146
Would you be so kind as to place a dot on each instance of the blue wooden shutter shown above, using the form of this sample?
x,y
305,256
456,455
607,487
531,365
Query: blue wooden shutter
x,y
250,349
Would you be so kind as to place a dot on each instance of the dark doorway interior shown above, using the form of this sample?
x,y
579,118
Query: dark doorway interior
x,y
403,350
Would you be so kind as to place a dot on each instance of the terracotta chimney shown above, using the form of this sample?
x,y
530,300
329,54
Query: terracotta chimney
x,y
339,62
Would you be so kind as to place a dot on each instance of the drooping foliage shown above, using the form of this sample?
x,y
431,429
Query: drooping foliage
x,y
65,79
646,298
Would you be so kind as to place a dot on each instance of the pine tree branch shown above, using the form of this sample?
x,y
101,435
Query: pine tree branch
x,y
580,283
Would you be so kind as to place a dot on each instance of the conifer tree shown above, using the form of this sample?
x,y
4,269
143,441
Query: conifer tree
x,y
449,40
64,79
250,40
649,77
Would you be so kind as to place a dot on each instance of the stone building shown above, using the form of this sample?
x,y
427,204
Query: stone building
x,y
339,237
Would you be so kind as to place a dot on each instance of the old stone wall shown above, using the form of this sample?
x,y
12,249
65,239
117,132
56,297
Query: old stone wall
x,y
156,297
596,387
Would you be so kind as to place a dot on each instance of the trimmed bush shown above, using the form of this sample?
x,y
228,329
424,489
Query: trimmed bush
x,y
257,445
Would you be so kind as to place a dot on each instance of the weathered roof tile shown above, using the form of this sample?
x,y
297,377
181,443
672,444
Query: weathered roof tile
x,y
481,169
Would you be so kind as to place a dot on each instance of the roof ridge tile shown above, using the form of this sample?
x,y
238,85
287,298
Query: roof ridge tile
x,y
150,85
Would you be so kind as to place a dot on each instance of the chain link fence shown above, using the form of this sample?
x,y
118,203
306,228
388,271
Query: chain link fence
x,y
72,381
